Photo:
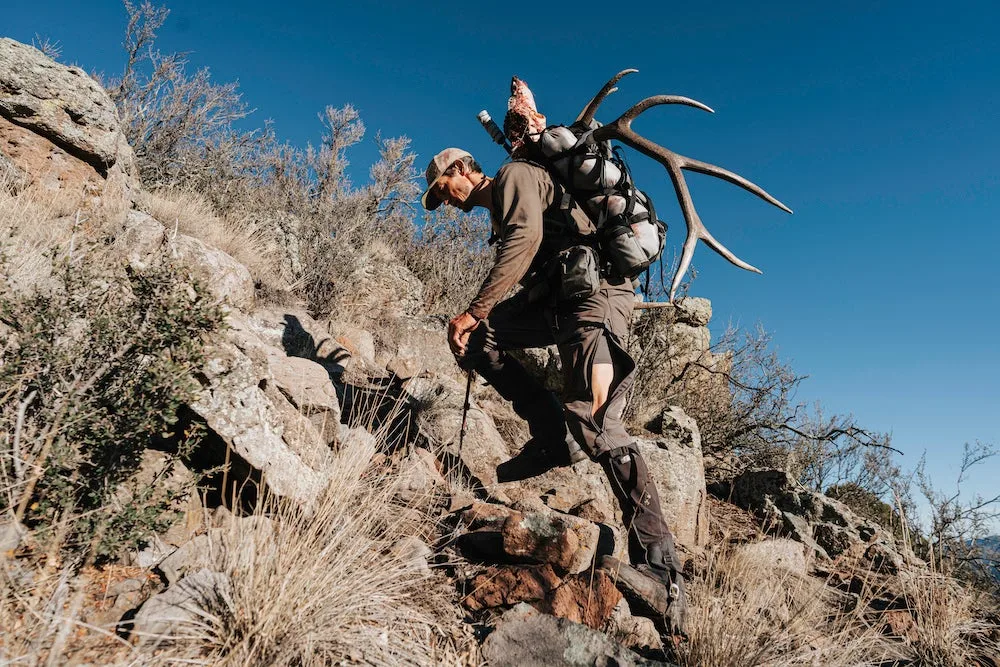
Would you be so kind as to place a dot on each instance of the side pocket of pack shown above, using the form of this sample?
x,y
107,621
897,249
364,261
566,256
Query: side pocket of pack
x,y
623,250
578,273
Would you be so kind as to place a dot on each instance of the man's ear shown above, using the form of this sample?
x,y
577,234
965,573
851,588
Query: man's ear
x,y
460,167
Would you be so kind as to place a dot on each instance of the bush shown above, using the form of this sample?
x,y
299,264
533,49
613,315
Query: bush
x,y
92,369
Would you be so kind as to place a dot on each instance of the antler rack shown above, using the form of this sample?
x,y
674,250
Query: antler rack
x,y
621,130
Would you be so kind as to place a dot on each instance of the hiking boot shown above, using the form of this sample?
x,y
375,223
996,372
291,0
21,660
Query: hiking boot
x,y
537,457
662,564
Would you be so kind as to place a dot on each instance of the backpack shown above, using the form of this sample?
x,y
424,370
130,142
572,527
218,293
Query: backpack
x,y
630,237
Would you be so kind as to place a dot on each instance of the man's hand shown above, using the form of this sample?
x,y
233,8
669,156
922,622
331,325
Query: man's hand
x,y
459,329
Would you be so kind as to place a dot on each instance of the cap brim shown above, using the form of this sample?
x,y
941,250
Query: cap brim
x,y
428,199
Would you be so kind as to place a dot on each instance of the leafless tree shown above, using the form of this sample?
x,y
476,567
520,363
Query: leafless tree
x,y
957,523
172,119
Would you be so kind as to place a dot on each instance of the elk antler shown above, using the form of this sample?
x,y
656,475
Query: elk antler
x,y
621,130
587,115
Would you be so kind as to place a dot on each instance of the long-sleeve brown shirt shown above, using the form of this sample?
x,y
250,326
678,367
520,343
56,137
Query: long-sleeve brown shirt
x,y
532,228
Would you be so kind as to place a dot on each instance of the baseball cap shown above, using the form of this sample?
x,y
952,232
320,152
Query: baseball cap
x,y
438,165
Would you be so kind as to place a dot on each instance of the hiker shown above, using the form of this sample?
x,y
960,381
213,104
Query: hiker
x,y
533,228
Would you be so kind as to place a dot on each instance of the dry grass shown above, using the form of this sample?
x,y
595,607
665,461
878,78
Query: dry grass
x,y
244,238
324,587
317,588
747,612
947,627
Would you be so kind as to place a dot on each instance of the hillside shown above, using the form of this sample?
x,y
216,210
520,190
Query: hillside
x,y
232,435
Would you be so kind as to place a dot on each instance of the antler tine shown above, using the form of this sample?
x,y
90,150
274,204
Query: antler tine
x,y
587,115
656,100
621,129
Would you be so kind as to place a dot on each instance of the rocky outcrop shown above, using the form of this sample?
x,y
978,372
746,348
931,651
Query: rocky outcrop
x,y
676,465
146,240
827,527
247,401
675,344
58,126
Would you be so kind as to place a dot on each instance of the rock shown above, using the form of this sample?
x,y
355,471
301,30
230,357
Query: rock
x,y
421,347
565,541
145,239
543,363
349,346
154,552
252,421
383,286
180,610
288,328
419,481
635,632
780,554
59,126
11,533
676,464
579,598
228,280
414,553
306,384
525,637
227,549
693,310
642,592
826,526
538,535
502,586
585,599
440,423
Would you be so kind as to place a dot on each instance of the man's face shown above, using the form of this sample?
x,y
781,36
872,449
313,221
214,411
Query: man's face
x,y
453,187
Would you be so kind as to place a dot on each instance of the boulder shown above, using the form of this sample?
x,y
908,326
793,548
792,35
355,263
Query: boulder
x,y
258,423
383,286
677,467
530,535
306,384
421,347
779,554
145,239
635,632
506,586
225,277
693,310
182,609
525,637
228,549
419,480
439,422
58,126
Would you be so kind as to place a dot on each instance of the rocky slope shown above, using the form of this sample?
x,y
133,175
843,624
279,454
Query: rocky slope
x,y
283,396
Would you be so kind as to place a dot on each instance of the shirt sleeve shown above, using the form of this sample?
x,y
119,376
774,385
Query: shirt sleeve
x,y
520,198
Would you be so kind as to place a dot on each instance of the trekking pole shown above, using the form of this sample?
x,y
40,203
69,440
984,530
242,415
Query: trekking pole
x,y
465,410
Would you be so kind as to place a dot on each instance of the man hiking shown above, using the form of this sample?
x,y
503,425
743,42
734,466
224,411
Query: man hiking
x,y
535,223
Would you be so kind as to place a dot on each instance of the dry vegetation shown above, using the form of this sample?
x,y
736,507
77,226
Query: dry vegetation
x,y
325,587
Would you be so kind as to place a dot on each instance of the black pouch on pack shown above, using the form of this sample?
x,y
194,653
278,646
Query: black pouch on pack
x,y
577,273
623,250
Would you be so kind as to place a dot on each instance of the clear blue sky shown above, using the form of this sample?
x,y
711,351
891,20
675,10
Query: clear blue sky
x,y
877,122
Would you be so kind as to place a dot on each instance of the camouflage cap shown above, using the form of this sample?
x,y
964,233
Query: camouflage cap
x,y
438,165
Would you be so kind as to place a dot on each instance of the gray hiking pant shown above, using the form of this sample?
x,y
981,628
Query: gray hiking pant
x,y
584,332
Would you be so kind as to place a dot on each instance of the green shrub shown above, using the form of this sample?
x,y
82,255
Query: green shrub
x,y
92,369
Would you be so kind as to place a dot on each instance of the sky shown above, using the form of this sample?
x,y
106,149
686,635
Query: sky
x,y
876,122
